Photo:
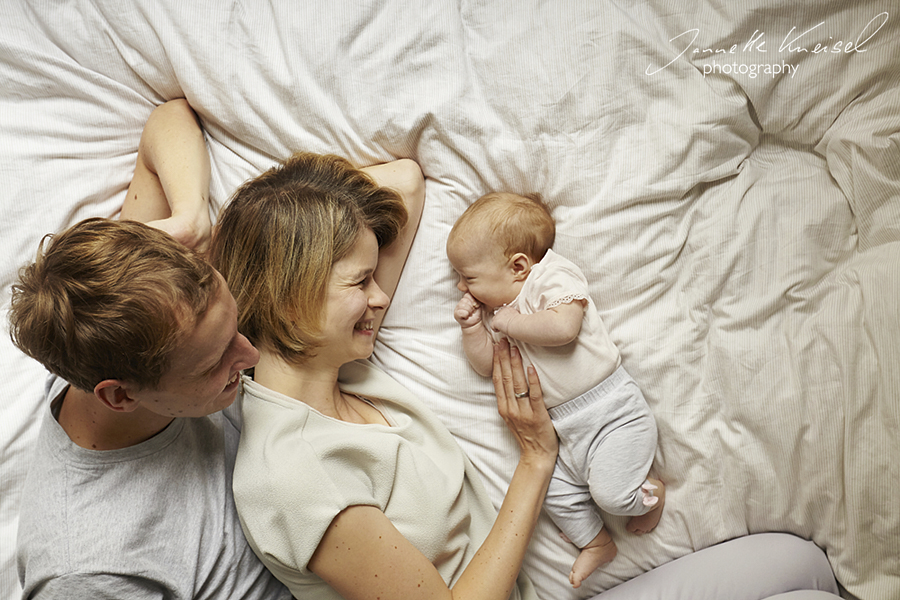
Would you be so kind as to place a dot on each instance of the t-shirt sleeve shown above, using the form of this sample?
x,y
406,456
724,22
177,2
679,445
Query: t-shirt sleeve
x,y
100,586
288,502
561,284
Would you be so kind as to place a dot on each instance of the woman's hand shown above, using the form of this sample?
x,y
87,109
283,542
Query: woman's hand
x,y
520,402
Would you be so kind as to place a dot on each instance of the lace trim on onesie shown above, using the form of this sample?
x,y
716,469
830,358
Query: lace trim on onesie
x,y
567,299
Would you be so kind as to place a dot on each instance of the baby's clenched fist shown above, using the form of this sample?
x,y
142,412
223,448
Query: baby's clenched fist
x,y
466,312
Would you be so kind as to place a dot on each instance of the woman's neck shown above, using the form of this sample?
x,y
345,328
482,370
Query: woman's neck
x,y
308,382
315,385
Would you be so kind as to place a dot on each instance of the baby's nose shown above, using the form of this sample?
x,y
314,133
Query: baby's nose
x,y
461,286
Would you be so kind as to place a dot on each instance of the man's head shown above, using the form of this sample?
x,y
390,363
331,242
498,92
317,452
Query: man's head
x,y
112,306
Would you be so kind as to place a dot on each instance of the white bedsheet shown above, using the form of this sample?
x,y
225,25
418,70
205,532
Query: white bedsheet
x,y
740,229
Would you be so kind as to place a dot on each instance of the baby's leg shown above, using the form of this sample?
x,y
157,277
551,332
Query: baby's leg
x,y
571,507
599,551
621,457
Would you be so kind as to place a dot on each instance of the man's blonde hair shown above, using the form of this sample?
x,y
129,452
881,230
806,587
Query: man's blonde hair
x,y
277,239
109,300
516,223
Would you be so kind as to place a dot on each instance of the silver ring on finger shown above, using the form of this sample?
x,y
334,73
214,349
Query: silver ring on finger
x,y
521,395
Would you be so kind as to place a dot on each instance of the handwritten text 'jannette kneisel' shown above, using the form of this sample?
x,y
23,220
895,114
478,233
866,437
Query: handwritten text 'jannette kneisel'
x,y
794,42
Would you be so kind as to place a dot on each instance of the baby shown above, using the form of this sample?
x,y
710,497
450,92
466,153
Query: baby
x,y
515,286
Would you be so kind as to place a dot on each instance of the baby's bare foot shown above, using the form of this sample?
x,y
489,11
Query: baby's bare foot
x,y
647,522
600,551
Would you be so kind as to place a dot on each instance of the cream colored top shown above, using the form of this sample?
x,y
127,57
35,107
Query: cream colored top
x,y
567,371
297,469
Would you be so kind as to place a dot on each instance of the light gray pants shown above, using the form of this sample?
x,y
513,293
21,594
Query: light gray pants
x,y
607,441
775,566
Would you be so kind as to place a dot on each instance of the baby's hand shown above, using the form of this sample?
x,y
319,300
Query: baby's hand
x,y
467,313
502,317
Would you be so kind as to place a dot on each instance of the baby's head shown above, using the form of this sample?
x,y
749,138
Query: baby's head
x,y
495,243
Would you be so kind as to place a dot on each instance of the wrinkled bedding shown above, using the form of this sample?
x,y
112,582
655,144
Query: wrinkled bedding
x,y
727,177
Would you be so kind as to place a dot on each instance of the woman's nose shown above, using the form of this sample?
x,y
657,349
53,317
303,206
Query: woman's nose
x,y
377,298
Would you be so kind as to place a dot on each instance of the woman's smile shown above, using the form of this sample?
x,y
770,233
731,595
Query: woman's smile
x,y
354,299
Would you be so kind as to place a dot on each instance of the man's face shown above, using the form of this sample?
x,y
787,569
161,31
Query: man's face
x,y
205,371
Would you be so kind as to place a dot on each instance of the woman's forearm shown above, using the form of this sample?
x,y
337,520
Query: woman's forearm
x,y
493,570
405,177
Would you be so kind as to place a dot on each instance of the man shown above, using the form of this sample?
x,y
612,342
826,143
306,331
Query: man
x,y
129,491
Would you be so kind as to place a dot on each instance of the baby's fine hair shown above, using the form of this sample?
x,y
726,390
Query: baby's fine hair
x,y
517,223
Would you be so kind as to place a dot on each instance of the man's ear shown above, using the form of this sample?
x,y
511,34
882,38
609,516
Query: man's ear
x,y
520,264
115,395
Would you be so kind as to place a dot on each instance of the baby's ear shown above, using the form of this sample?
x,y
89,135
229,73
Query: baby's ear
x,y
520,264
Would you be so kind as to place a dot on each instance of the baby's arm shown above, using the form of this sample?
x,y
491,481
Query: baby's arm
x,y
477,342
555,326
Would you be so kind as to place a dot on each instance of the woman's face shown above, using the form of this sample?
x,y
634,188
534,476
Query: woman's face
x,y
352,301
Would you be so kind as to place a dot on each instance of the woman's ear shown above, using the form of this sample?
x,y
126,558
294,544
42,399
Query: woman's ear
x,y
520,264
115,395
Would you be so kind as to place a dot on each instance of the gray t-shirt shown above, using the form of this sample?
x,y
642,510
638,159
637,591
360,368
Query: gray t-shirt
x,y
156,520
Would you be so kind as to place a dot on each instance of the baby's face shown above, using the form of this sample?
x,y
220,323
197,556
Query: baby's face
x,y
484,272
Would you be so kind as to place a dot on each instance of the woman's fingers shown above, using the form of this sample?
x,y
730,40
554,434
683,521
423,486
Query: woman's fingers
x,y
535,393
502,376
520,402
519,384
514,396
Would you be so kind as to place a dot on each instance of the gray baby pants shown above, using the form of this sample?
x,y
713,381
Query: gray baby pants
x,y
607,441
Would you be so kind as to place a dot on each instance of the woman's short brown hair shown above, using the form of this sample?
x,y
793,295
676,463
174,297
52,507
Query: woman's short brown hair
x,y
277,239
516,223
109,300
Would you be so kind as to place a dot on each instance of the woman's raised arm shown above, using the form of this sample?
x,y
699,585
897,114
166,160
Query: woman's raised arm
x,y
170,187
405,177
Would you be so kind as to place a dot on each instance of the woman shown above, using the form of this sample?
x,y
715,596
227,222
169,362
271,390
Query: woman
x,y
346,485
170,189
